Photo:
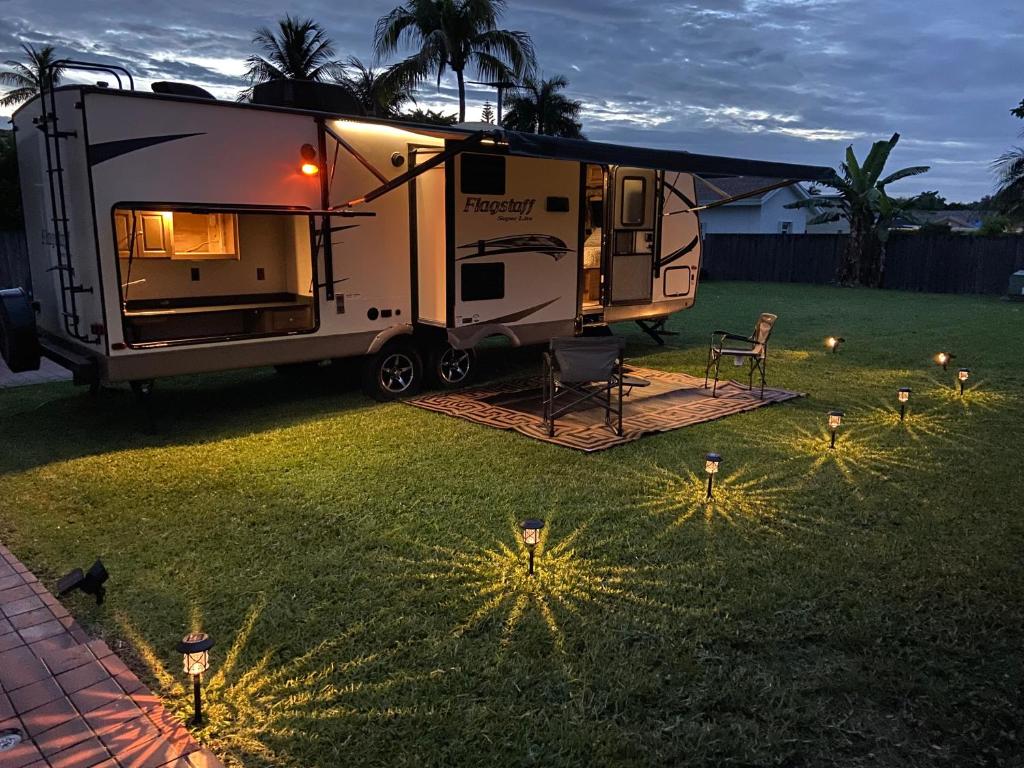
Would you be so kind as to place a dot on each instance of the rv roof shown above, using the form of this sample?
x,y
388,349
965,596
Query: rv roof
x,y
534,145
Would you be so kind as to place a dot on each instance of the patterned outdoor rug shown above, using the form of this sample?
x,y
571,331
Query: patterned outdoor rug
x,y
672,400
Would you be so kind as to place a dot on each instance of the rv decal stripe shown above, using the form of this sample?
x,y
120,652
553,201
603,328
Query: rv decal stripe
x,y
680,195
678,254
518,315
108,150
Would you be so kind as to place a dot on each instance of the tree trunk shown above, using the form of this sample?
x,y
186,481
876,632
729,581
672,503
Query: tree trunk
x,y
462,95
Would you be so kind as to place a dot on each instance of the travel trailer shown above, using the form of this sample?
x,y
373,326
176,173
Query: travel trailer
x,y
172,233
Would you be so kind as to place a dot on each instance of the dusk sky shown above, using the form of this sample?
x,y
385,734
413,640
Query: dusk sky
x,y
789,80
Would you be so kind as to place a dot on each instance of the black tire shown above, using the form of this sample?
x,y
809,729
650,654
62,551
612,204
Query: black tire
x,y
451,368
19,344
393,372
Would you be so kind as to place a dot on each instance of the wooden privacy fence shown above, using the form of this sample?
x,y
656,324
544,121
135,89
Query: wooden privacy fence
x,y
13,260
933,263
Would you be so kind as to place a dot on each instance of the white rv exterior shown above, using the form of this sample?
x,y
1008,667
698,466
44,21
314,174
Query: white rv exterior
x,y
195,240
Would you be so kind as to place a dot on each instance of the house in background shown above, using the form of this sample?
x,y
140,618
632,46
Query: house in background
x,y
764,214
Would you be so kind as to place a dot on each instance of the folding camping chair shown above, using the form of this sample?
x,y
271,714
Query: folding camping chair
x,y
756,355
580,370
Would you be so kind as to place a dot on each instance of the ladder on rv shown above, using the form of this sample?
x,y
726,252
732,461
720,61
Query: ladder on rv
x,y
60,241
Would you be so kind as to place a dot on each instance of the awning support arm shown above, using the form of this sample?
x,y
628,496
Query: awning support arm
x,y
356,154
466,144
734,198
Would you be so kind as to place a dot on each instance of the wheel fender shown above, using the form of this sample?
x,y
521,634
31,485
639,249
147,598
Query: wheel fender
x,y
468,337
19,344
387,335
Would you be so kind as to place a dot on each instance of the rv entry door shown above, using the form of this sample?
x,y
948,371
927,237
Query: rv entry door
x,y
632,235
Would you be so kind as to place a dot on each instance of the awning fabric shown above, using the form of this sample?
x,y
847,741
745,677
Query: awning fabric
x,y
535,145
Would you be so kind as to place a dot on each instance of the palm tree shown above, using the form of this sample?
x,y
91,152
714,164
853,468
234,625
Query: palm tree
x,y
299,49
28,78
541,109
381,92
1009,169
455,34
862,200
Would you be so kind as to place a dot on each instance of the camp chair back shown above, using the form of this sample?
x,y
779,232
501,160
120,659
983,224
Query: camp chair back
x,y
756,353
573,369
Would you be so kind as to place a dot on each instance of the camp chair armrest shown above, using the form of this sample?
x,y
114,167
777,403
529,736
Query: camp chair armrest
x,y
723,336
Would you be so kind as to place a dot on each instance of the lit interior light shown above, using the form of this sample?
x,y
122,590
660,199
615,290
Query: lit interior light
x,y
903,395
835,418
195,649
711,462
531,535
962,376
309,166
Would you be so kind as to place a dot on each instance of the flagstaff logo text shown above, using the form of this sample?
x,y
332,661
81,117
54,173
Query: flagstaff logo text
x,y
521,207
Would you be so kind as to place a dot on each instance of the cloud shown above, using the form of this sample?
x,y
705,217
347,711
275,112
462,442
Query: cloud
x,y
793,80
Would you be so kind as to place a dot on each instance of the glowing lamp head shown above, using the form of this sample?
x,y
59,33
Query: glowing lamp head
x,y
903,394
195,649
711,462
835,418
531,531
309,166
963,374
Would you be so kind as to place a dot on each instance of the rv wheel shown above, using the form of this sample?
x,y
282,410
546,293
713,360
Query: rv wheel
x,y
395,371
19,345
451,367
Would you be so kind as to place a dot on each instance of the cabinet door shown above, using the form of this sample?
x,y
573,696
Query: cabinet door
x,y
154,234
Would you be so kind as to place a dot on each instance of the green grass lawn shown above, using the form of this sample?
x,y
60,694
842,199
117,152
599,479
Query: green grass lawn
x,y
359,564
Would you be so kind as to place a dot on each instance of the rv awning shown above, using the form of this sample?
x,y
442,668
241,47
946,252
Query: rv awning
x,y
535,145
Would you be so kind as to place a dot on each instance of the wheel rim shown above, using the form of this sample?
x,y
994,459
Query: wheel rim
x,y
397,373
454,365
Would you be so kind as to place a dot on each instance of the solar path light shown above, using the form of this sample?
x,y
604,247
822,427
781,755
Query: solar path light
x,y
711,462
962,376
833,342
903,395
835,418
531,535
195,649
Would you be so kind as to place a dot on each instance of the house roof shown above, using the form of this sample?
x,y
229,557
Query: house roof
x,y
737,185
955,219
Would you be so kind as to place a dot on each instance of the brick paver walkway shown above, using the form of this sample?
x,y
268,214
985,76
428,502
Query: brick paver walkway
x,y
48,371
74,703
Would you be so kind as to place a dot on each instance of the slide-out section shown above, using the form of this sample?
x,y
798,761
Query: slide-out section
x,y
200,275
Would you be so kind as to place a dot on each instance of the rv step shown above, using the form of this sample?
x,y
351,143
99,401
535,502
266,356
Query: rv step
x,y
82,367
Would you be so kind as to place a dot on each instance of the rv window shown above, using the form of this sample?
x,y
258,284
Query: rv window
x,y
483,175
633,194
482,282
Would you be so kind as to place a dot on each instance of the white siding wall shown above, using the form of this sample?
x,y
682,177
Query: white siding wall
x,y
760,217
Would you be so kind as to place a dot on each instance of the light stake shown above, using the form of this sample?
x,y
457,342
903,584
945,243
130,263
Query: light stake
x,y
711,462
962,375
531,535
903,395
195,648
835,418
833,342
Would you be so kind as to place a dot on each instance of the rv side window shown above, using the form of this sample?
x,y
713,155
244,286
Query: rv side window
x,y
483,175
633,194
483,282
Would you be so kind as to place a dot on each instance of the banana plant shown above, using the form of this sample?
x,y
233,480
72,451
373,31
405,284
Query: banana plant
x,y
860,198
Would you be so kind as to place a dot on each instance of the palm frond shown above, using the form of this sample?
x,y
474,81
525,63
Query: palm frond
x,y
903,173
